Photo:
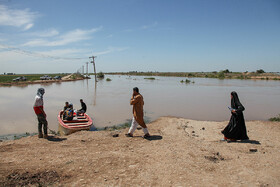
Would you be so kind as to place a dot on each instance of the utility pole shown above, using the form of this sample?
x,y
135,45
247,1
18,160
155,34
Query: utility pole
x,y
82,70
93,62
87,68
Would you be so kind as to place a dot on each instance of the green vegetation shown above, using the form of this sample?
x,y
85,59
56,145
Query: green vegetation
x,y
150,78
15,136
221,75
260,71
29,77
100,75
117,127
187,81
123,125
277,118
108,79
77,76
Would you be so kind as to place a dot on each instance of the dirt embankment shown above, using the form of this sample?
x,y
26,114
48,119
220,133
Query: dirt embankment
x,y
25,83
181,152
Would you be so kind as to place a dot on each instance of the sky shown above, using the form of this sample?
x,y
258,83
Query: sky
x,y
50,36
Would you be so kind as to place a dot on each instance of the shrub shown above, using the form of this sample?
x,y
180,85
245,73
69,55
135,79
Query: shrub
x,y
277,118
187,81
100,75
226,71
108,79
221,75
150,78
260,71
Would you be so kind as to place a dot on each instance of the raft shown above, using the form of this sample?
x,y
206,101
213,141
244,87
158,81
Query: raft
x,y
79,122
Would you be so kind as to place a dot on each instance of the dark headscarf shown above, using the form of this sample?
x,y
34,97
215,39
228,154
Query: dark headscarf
x,y
235,103
136,89
40,92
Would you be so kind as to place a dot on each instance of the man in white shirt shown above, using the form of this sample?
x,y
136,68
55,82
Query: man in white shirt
x,y
41,115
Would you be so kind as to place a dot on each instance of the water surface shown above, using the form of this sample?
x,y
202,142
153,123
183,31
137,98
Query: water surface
x,y
108,101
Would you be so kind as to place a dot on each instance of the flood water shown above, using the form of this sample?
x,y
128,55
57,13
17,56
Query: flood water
x,y
108,102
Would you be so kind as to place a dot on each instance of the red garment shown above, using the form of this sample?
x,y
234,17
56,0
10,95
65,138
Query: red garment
x,y
38,109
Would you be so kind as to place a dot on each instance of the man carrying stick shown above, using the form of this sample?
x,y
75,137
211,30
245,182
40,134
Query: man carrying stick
x,y
138,115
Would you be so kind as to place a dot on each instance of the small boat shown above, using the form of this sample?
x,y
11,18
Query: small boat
x,y
79,122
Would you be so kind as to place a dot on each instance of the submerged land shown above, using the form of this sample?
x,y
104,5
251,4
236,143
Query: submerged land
x,y
7,80
225,74
181,152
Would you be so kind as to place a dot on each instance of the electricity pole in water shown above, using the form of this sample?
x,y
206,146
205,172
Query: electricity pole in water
x,y
87,68
93,62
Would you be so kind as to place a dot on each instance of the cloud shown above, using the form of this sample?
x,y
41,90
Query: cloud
x,y
110,50
67,38
62,54
67,53
47,33
143,27
17,18
149,26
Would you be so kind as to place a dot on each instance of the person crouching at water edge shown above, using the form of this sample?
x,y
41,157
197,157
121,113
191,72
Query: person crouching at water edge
x,y
41,115
137,101
236,129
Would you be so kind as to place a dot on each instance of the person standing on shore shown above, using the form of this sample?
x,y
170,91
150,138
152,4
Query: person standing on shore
x,y
41,115
236,129
138,114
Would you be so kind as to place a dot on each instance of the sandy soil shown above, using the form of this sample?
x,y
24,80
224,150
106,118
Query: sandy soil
x,y
181,152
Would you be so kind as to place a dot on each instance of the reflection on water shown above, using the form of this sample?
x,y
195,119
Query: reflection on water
x,y
108,101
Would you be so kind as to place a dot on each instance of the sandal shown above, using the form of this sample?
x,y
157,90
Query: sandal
x,y
128,135
147,135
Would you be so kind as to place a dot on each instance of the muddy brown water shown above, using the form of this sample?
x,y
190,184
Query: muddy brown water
x,y
108,101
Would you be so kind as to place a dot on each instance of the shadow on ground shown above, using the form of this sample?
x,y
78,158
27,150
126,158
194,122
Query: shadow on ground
x,y
154,137
56,139
248,141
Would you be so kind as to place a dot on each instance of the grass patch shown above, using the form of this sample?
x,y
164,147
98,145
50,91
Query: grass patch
x,y
76,76
124,125
108,79
150,78
277,118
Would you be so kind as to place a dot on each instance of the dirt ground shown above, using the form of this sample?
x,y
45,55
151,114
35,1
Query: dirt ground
x,y
181,152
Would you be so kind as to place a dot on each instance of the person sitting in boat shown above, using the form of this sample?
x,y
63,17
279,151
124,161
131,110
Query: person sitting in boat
x,y
69,113
65,108
83,109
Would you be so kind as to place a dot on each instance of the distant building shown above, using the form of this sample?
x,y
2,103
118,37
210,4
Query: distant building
x,y
10,73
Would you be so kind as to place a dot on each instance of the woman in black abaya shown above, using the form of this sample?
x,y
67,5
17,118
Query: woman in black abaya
x,y
236,129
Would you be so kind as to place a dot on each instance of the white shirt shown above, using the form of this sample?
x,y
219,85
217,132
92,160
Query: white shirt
x,y
38,101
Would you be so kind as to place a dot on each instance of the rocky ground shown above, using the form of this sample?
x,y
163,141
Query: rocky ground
x,y
181,152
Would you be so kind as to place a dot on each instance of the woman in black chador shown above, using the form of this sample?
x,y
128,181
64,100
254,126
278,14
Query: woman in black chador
x,y
236,129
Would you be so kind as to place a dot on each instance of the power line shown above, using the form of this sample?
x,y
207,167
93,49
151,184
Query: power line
x,y
35,54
